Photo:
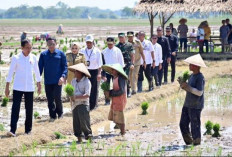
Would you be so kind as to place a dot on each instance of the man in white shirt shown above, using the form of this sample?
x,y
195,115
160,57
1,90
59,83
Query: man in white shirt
x,y
111,55
158,58
148,51
23,66
94,62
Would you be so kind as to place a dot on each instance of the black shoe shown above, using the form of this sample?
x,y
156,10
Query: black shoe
x,y
61,116
107,103
133,92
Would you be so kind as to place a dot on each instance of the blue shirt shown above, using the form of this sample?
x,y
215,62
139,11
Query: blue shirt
x,y
54,66
193,101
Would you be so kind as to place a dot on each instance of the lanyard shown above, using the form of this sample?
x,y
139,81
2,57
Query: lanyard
x,y
90,53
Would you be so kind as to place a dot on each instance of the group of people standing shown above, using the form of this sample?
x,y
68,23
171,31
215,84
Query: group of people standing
x,y
124,63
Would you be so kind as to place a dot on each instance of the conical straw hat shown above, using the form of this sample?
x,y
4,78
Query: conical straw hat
x,y
108,68
196,60
81,68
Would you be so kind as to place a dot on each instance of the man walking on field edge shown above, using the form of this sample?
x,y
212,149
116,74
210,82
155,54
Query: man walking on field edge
x,y
194,101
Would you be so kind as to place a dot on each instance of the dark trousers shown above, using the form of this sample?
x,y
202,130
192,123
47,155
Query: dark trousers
x,y
201,45
127,71
193,117
17,98
53,94
206,43
147,72
155,75
81,121
108,79
163,71
94,89
173,67
183,41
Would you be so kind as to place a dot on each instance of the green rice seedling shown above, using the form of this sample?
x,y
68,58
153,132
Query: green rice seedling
x,y
73,147
144,107
5,101
216,128
66,40
70,41
36,115
34,53
39,47
184,77
59,135
41,43
61,41
82,39
65,49
11,38
2,127
209,127
16,50
219,152
96,41
105,86
69,89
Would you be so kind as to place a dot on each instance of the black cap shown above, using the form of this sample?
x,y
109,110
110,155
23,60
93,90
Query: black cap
x,y
121,35
130,34
168,28
110,40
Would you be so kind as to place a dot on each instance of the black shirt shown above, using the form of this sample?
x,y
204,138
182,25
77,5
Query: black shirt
x,y
163,41
173,42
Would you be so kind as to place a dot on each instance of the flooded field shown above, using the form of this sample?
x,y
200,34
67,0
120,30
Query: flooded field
x,y
156,133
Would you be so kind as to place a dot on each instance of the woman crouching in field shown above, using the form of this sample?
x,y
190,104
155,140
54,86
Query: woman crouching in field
x,y
118,95
80,105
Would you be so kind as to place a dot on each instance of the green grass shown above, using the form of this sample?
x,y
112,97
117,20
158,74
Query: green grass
x,y
11,44
101,22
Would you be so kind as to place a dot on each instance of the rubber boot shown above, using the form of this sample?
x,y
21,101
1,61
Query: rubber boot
x,y
140,86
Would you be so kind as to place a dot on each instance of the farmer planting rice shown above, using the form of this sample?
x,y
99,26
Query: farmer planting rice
x,y
23,66
74,57
118,95
194,101
80,105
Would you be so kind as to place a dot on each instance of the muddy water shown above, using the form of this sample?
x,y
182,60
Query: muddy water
x,y
41,108
158,132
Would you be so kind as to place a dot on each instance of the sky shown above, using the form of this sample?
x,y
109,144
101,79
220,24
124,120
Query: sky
x,y
102,4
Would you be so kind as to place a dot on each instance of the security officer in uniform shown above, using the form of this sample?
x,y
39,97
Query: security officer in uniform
x,y
137,62
163,41
173,41
128,53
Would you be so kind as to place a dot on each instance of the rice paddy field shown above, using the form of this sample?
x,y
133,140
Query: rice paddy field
x,y
154,134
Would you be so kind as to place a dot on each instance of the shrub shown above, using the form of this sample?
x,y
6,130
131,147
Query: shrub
x,y
59,135
144,107
209,127
69,90
105,86
216,128
5,101
2,127
36,114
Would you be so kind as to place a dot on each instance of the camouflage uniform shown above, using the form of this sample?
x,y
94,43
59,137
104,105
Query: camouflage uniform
x,y
126,48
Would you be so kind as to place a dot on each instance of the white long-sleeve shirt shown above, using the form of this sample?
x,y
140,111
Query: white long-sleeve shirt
x,y
113,56
147,50
93,56
24,67
158,54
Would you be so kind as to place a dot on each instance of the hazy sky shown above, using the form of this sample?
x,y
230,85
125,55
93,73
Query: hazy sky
x,y
103,4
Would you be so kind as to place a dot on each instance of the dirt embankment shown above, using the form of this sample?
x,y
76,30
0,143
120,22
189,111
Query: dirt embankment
x,y
43,131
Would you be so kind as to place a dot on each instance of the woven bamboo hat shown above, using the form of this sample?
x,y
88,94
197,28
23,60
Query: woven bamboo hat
x,y
196,60
109,67
81,68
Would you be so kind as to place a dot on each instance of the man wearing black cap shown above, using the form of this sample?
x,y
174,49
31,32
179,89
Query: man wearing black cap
x,y
138,54
163,41
148,51
173,41
128,53
111,55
